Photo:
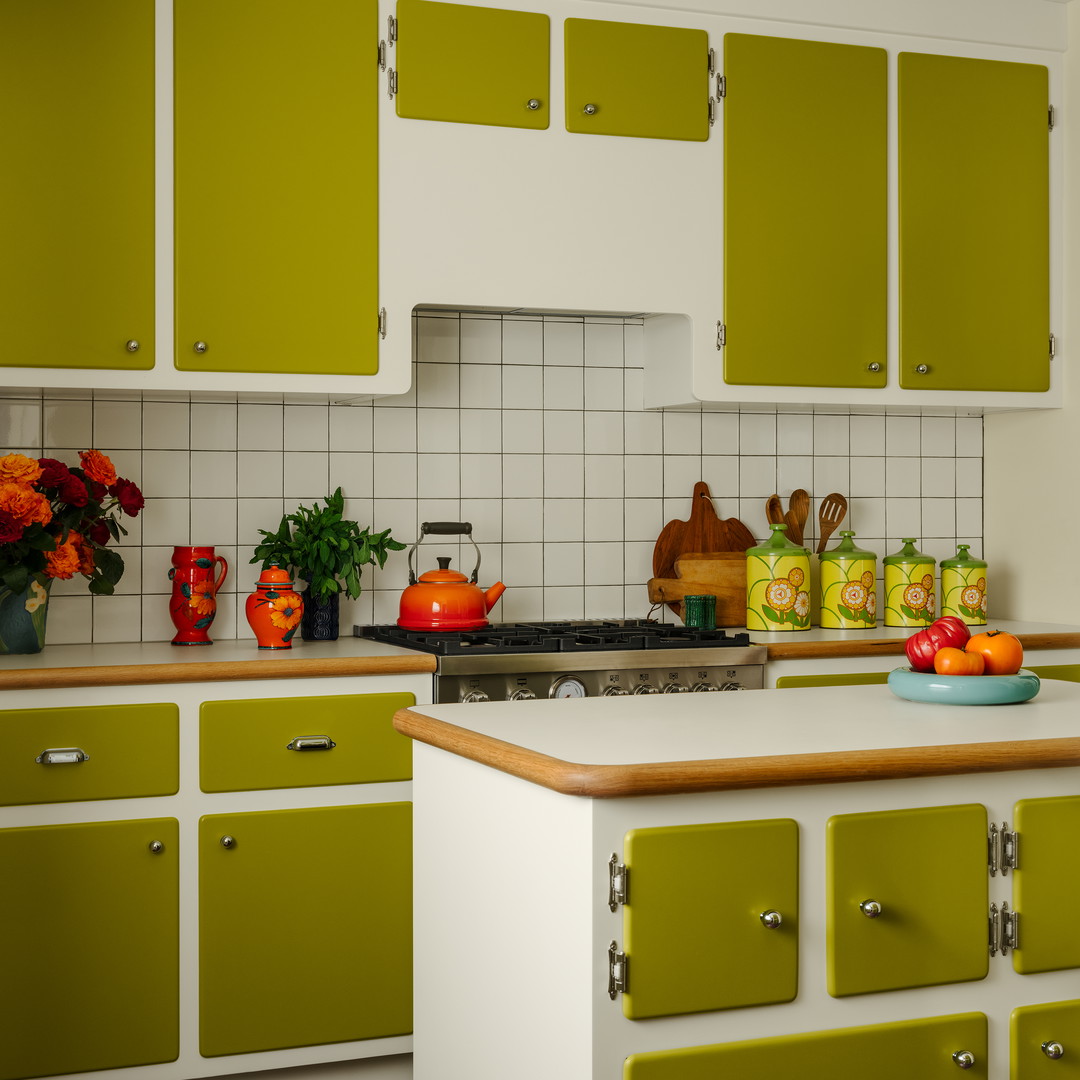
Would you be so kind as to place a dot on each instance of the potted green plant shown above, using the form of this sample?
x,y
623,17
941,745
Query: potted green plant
x,y
328,552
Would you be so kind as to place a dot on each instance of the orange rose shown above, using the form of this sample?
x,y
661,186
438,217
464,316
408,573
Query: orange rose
x,y
19,469
25,505
63,562
84,549
98,467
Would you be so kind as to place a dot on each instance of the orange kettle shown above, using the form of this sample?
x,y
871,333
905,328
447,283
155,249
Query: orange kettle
x,y
444,599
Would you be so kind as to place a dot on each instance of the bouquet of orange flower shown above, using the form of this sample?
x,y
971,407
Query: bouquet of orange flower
x,y
56,521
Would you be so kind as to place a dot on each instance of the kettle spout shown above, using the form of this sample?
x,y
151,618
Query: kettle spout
x,y
493,594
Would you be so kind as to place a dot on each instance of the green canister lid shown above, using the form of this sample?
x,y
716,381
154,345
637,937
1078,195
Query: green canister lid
x,y
907,554
778,543
962,560
846,549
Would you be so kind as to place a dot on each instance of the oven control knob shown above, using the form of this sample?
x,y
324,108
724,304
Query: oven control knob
x,y
524,694
475,695
645,688
704,687
676,688
731,686
616,691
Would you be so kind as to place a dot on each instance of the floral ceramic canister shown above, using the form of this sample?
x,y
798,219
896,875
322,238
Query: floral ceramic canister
x,y
274,609
848,584
963,587
909,587
778,584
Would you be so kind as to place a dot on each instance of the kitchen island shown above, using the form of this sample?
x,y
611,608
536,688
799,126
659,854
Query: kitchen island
x,y
603,885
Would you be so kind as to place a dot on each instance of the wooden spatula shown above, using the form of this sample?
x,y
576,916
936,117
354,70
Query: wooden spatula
x,y
830,514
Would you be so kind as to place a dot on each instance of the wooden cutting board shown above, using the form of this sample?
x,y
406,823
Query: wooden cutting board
x,y
717,573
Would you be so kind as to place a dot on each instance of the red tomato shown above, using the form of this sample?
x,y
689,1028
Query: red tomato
x,y
1003,654
950,661
921,647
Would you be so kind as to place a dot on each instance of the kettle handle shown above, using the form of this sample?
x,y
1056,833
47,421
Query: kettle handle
x,y
444,528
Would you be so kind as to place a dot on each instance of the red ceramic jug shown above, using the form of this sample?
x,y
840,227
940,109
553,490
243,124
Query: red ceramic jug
x,y
193,604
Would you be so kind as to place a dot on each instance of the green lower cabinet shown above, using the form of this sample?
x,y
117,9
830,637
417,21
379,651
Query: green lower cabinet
x,y
305,927
1046,885
699,935
906,1050
859,678
1044,1041
90,949
907,898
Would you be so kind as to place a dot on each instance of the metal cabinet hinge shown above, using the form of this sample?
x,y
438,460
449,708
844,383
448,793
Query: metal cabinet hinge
x,y
712,62
618,971
1004,929
391,29
721,86
391,83
1051,117
1053,346
712,112
382,55
618,880
721,335
1002,849
382,323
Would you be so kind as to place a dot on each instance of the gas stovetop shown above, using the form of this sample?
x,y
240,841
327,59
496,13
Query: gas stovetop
x,y
606,635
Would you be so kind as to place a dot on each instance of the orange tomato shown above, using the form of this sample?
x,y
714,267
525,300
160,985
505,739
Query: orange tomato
x,y
950,661
1002,653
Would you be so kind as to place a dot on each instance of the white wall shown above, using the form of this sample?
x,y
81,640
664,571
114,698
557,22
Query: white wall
x,y
1032,458
532,429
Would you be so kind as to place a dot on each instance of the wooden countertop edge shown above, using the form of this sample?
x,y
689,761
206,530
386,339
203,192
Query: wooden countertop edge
x,y
215,671
814,650
730,774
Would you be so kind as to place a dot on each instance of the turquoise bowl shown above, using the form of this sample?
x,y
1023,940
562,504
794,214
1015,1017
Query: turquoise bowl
x,y
964,689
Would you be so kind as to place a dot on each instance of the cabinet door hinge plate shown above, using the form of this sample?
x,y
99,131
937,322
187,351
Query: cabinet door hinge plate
x,y
391,83
1004,929
1053,346
1051,118
721,335
391,29
712,112
618,968
618,880
382,323
712,62
1002,849
721,86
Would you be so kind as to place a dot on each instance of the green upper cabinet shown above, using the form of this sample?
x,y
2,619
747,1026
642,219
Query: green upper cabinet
x,y
974,224
632,79
276,186
1043,1041
699,936
473,65
1046,884
805,213
907,898
77,183
898,1051
90,952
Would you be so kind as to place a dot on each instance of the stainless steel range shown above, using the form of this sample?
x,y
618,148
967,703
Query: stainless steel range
x,y
521,661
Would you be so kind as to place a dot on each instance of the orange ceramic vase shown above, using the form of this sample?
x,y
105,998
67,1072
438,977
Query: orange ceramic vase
x,y
193,603
274,609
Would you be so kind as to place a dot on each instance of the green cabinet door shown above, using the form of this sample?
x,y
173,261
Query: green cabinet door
x,y
276,186
90,948
632,79
302,742
305,927
1046,884
974,224
77,183
473,65
1044,1041
907,898
805,213
904,1050
697,922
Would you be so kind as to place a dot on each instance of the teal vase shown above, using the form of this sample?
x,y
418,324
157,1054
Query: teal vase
x,y
22,616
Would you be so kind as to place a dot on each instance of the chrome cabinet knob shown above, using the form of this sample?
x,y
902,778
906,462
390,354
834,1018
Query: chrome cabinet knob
x,y
590,110
964,1059
200,346
771,920
875,367
870,908
924,369
156,847
132,345
532,104
1053,1050
227,842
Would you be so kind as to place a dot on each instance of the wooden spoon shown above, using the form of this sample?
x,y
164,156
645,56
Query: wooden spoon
x,y
774,510
798,512
830,514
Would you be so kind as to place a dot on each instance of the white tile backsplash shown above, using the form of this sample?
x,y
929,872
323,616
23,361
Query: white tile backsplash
x,y
531,428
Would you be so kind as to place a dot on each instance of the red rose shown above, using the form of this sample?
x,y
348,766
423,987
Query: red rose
x,y
99,533
128,496
73,491
10,529
53,473
96,491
